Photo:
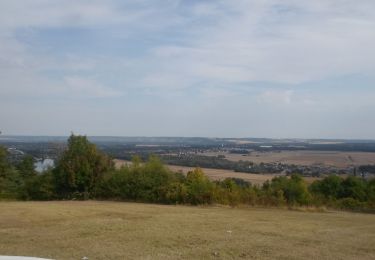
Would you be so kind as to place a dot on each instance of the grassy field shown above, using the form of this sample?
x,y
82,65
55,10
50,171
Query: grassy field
x,y
110,230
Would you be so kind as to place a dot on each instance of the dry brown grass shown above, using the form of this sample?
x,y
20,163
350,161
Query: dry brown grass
x,y
109,230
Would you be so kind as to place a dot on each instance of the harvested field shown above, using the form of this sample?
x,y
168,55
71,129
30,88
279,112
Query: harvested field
x,y
327,158
110,230
219,174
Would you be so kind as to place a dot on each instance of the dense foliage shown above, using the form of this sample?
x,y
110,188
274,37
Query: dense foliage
x,y
80,168
84,172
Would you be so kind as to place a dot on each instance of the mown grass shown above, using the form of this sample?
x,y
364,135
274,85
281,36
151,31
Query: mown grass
x,y
115,230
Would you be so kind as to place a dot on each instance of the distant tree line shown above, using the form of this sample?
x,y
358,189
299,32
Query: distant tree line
x,y
219,162
84,172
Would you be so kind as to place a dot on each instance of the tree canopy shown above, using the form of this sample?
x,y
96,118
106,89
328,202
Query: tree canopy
x,y
80,168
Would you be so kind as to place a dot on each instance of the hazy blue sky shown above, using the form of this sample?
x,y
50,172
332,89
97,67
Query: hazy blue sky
x,y
255,68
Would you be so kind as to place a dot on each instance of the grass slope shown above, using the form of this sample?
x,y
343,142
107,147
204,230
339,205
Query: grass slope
x,y
110,230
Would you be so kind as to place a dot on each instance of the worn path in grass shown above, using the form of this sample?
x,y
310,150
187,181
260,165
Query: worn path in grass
x,y
115,230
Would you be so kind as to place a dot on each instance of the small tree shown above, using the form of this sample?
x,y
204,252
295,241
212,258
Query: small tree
x,y
4,165
294,189
10,180
26,167
80,168
353,187
330,187
39,187
199,187
371,193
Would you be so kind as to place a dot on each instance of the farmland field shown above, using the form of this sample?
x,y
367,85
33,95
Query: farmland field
x,y
221,174
327,158
215,174
115,230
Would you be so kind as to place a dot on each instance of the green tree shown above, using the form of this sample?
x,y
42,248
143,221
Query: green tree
x,y
371,193
39,187
158,178
330,187
4,165
10,180
26,167
228,192
199,188
294,189
136,161
80,168
353,187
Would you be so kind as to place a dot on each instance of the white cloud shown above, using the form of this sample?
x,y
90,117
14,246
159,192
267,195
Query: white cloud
x,y
224,42
276,97
84,87
22,69
204,58
45,13
292,42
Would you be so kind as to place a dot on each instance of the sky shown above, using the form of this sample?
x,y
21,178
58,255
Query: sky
x,y
244,68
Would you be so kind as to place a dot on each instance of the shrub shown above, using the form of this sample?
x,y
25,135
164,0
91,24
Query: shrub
x,y
330,187
350,203
371,193
353,187
199,188
40,187
11,184
293,190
